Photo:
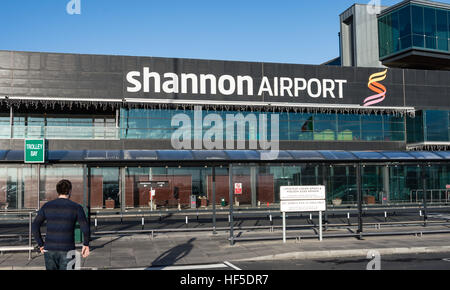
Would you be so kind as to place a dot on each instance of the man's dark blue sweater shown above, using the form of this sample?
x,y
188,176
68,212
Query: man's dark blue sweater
x,y
61,215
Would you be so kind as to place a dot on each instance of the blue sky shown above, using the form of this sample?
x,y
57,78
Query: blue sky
x,y
288,31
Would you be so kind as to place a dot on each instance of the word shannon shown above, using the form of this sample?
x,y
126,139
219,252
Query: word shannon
x,y
209,84
207,132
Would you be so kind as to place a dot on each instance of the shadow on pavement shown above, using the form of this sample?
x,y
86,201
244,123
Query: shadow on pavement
x,y
175,254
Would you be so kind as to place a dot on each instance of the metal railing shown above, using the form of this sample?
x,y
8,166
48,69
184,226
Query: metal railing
x,y
28,248
432,195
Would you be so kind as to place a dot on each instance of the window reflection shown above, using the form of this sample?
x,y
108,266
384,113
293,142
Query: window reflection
x,y
156,124
414,26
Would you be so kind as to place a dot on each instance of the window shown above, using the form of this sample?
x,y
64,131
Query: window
x,y
54,126
4,126
442,30
156,124
437,124
414,26
418,27
430,27
405,27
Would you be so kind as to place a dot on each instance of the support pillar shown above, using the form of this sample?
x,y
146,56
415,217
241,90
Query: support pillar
x,y
214,198
253,181
359,192
231,187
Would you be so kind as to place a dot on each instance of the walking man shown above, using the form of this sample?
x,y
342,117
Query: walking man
x,y
61,215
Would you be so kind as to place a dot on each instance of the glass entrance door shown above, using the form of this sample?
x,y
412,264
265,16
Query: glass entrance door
x,y
105,188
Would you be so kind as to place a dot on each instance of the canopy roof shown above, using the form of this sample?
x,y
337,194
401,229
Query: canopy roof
x,y
225,155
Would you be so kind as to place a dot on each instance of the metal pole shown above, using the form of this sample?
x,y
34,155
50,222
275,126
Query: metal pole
x,y
151,198
324,176
284,227
88,202
230,185
29,236
38,186
214,198
320,226
11,122
424,187
359,188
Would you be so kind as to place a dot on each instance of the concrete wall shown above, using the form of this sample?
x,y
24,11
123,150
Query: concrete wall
x,y
359,37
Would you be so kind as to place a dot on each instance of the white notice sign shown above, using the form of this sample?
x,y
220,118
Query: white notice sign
x,y
302,205
302,192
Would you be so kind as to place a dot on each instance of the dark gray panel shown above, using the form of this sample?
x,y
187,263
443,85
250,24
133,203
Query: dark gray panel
x,y
103,76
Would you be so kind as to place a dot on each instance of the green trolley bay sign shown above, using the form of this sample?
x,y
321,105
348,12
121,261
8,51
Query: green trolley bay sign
x,y
34,151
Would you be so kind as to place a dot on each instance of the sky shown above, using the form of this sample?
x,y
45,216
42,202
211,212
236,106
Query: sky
x,y
284,31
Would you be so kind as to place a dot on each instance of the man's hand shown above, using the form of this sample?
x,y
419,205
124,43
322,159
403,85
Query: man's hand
x,y
41,249
85,251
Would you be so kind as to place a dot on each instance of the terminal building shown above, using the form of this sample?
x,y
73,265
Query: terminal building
x,y
122,127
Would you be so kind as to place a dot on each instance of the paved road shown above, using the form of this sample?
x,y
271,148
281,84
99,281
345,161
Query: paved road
x,y
440,261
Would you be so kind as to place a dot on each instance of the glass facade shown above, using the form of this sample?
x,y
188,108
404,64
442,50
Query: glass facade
x,y
25,125
50,175
126,187
18,187
414,26
157,124
429,126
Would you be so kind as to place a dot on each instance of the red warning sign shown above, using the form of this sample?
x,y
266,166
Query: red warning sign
x,y
238,188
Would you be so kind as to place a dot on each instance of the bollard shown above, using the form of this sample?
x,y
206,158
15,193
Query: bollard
x,y
187,222
385,216
95,223
271,223
310,216
121,218
420,212
143,221
348,218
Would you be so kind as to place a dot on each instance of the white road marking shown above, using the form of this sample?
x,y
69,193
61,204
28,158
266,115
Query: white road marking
x,y
446,259
188,267
231,265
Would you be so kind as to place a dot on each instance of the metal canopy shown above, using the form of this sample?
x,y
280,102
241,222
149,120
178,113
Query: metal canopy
x,y
225,155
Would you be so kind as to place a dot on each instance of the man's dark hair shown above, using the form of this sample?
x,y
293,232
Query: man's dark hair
x,y
64,187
